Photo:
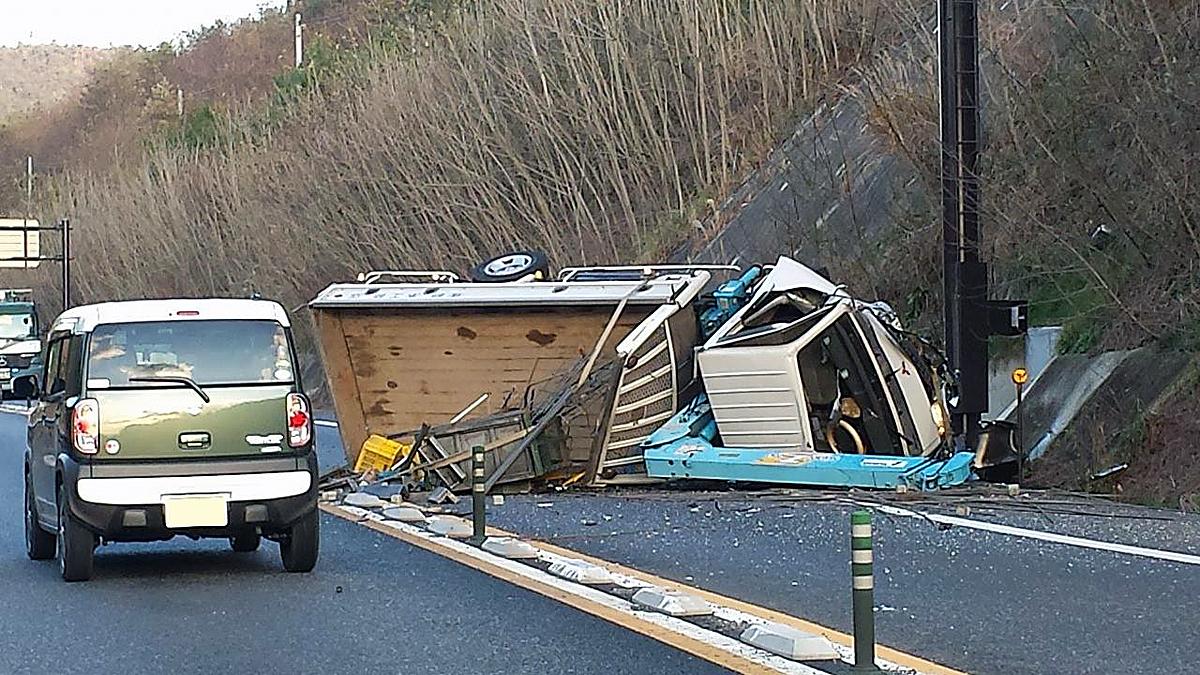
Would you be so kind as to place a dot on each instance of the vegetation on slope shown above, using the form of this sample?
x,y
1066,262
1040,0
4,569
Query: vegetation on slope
x,y
450,131
35,78
1091,205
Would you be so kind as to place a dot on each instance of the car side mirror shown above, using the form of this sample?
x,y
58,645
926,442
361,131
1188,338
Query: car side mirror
x,y
25,387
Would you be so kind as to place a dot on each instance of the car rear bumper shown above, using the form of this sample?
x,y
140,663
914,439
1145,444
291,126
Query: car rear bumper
x,y
125,502
239,487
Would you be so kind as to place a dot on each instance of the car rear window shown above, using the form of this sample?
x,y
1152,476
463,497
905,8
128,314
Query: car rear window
x,y
208,351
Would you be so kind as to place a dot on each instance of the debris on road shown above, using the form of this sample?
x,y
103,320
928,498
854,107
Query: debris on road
x,y
442,495
364,500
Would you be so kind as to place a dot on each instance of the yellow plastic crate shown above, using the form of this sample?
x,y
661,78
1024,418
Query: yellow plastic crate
x,y
379,454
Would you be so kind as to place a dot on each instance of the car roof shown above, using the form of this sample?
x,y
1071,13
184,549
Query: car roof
x,y
85,318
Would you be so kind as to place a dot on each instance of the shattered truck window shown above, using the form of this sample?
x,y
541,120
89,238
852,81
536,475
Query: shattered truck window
x,y
847,407
208,352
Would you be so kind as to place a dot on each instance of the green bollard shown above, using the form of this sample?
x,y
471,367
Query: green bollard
x,y
478,512
863,574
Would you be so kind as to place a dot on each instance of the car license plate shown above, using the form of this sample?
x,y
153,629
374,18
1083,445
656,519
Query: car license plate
x,y
5,373
182,511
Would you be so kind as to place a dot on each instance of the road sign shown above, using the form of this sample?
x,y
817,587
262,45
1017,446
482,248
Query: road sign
x,y
1020,376
18,239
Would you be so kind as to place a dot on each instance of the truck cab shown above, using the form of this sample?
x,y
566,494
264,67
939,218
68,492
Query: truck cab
x,y
160,418
20,342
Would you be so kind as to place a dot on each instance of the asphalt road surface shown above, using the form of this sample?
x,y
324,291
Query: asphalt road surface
x,y
373,605
978,601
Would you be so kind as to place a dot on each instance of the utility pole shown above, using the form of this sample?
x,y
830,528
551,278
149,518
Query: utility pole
x,y
299,41
66,262
970,317
28,205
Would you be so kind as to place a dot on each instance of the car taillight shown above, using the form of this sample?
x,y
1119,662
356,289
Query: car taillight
x,y
85,426
299,421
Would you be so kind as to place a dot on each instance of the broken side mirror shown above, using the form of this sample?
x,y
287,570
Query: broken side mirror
x,y
25,387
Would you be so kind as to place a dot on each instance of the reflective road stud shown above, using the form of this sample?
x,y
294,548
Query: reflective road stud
x,y
861,560
478,514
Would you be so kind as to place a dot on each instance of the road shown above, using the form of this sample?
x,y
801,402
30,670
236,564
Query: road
x,y
373,605
978,601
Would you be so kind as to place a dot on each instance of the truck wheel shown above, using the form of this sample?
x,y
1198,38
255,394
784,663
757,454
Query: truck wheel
x,y
245,543
39,544
300,549
511,266
76,545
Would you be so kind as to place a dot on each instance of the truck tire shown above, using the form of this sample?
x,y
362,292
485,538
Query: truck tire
x,y
246,542
299,550
76,545
39,544
511,266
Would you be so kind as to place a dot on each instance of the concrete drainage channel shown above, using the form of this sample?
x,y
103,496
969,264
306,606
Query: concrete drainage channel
x,y
750,640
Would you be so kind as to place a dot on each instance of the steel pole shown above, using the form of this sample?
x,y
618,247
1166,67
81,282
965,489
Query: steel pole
x,y
1020,434
66,263
863,575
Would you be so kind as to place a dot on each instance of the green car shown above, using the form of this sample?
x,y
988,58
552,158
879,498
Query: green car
x,y
158,418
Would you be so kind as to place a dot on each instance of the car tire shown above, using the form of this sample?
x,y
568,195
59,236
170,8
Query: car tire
x,y
246,542
511,267
76,545
39,544
300,548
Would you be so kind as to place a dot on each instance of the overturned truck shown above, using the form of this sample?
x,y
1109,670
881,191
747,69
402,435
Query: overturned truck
x,y
626,375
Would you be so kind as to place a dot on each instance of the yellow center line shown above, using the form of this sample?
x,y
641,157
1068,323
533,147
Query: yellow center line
x,y
883,652
679,641
721,657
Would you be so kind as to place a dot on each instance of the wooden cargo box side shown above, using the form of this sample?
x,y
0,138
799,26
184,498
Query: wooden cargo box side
x,y
391,370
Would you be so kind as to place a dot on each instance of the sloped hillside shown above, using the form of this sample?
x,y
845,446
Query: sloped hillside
x,y
39,77
447,130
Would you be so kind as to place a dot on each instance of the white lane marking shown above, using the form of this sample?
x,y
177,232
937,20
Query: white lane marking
x,y
1159,554
325,423
675,625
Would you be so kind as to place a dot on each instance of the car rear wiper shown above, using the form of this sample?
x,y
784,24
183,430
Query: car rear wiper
x,y
180,379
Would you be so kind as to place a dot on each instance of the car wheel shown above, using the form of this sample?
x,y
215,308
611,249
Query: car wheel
x,y
300,548
245,543
39,544
76,545
511,266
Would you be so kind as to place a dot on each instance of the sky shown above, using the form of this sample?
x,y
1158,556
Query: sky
x,y
106,23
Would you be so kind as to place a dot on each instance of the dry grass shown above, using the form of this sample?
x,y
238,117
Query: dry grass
x,y
1090,122
585,128
36,78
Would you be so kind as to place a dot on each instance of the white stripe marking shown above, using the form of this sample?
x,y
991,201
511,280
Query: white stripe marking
x,y
860,530
325,423
861,557
1158,554
864,583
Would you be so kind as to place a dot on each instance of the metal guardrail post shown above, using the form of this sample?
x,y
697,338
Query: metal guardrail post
x,y
478,494
862,571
